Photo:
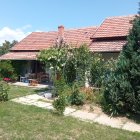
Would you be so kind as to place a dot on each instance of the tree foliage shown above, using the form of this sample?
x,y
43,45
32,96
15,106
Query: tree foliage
x,y
6,46
76,97
72,63
54,57
99,69
7,70
122,91
59,104
96,70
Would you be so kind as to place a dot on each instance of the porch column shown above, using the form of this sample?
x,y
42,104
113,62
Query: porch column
x,y
36,68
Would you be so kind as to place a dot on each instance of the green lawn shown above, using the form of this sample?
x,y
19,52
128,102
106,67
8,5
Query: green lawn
x,y
21,122
16,91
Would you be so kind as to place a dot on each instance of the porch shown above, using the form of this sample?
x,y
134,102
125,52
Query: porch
x,y
33,73
27,67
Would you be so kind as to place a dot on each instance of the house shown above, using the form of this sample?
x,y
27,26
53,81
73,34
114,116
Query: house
x,y
27,49
107,39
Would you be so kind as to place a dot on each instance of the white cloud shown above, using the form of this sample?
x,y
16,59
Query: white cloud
x,y
26,27
38,31
9,34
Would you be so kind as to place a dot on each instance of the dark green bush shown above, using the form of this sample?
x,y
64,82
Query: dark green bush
x,y
122,87
70,71
18,66
60,91
4,88
7,70
76,98
99,69
96,70
59,104
59,86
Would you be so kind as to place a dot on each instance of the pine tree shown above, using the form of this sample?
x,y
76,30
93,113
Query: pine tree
x,y
122,92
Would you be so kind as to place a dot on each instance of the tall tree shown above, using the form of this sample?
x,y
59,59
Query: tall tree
x,y
6,46
139,9
122,92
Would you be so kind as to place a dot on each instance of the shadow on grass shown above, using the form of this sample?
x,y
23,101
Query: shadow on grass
x,y
41,90
134,117
55,113
131,116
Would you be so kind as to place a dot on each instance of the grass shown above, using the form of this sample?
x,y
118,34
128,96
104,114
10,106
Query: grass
x,y
21,122
19,91
16,91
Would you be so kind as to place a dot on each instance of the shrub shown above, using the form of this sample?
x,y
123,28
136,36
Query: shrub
x,y
60,90
96,70
76,98
122,87
59,86
99,70
93,95
18,66
59,104
7,70
6,79
73,62
70,71
88,92
4,88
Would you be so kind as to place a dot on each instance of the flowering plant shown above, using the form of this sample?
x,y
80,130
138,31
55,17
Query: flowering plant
x,y
7,70
6,79
54,57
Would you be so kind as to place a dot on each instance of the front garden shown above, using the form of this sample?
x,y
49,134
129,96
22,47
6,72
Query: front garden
x,y
79,78
116,81
28,122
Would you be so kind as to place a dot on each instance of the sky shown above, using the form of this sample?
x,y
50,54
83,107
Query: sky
x,y
18,18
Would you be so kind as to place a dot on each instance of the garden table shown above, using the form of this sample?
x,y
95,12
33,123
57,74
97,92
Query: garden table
x,y
33,82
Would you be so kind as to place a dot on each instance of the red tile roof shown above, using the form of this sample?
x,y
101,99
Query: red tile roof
x,y
114,27
107,46
19,56
43,40
110,35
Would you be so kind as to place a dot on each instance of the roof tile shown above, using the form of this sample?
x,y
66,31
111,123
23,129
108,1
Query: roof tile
x,y
114,27
43,40
19,56
108,36
107,46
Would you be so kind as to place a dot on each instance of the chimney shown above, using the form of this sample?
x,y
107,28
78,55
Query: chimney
x,y
60,38
61,31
